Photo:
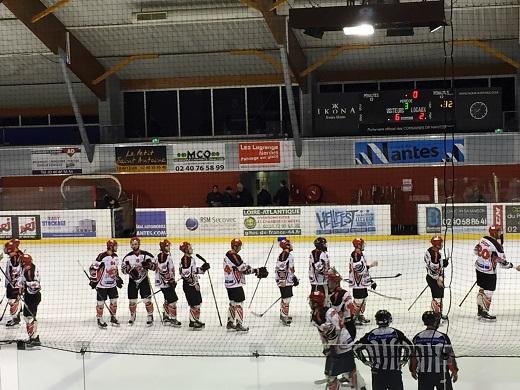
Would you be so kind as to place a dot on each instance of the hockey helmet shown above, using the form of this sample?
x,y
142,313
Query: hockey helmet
x,y
321,243
112,245
185,247
495,231
286,244
135,240
11,246
383,318
430,318
316,299
236,244
436,241
26,260
163,244
358,243
333,275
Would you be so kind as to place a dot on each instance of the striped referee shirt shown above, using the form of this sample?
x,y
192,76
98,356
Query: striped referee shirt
x,y
432,353
387,349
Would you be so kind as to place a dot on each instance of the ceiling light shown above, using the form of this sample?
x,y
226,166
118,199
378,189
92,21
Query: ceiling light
x,y
435,28
362,29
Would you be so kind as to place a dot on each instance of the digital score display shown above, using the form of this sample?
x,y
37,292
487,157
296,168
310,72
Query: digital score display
x,y
406,111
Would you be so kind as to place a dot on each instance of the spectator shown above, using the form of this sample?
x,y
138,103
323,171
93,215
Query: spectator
x,y
282,195
110,202
473,195
263,198
243,196
214,198
227,197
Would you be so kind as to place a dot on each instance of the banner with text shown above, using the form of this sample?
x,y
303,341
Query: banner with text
x,y
352,220
71,223
150,223
271,155
204,222
141,159
199,157
56,161
464,217
267,221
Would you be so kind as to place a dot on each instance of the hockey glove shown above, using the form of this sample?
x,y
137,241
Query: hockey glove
x,y
506,265
296,282
440,282
261,272
119,282
148,264
445,263
172,283
134,274
373,285
93,284
326,350
204,267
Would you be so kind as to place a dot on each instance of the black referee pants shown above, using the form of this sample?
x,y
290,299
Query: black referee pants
x,y
387,380
432,381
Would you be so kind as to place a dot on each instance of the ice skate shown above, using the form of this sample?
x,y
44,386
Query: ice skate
x,y
230,325
176,324
149,320
240,328
195,325
485,316
13,322
285,321
33,342
114,321
131,321
101,323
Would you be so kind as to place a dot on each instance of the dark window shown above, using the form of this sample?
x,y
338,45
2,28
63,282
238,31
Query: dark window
x,y
360,87
286,125
195,112
35,121
433,84
64,120
393,85
470,83
134,114
508,91
91,119
229,110
325,88
9,122
263,110
161,114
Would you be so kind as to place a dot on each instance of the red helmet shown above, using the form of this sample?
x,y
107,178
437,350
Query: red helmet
x,y
317,297
135,239
163,244
436,241
285,244
495,231
11,246
358,243
184,246
333,275
236,242
26,259
111,245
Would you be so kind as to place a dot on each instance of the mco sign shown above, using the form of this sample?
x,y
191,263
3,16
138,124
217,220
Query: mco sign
x,y
207,158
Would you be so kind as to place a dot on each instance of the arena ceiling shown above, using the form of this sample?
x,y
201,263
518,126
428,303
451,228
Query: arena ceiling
x,y
229,42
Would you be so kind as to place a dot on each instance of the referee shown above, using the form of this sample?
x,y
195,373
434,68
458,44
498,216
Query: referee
x,y
433,359
388,350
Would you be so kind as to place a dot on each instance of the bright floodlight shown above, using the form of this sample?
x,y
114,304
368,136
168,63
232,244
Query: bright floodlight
x,y
362,29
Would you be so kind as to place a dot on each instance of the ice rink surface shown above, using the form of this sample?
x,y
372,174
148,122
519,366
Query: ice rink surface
x,y
67,313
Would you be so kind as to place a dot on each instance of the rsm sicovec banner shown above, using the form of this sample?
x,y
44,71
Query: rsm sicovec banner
x,y
412,151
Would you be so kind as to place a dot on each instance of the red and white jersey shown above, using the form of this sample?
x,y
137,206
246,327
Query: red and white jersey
x,y
284,270
359,276
319,264
434,263
341,300
132,265
13,270
235,270
107,273
489,252
165,270
189,271
30,280
332,332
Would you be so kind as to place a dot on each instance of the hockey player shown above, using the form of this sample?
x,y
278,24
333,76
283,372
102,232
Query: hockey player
x,y
489,252
13,271
235,271
360,280
165,280
104,277
190,283
435,274
285,279
319,264
341,300
337,342
388,350
29,285
136,265
433,359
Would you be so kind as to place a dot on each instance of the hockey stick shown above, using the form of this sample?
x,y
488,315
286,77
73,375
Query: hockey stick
x,y
387,277
212,290
21,295
155,299
418,296
321,381
384,296
3,313
460,304
259,279
269,308
97,292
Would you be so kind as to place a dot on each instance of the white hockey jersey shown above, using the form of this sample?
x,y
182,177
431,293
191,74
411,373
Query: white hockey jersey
x,y
107,273
489,252
341,300
13,270
434,263
164,271
319,264
284,270
235,270
136,265
359,276
189,271
332,332
30,280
